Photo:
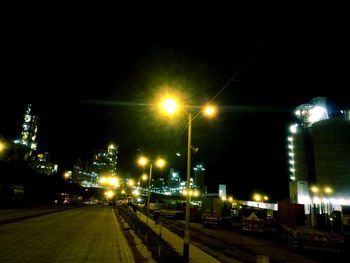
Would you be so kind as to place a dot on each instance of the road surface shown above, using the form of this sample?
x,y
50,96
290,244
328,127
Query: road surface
x,y
87,234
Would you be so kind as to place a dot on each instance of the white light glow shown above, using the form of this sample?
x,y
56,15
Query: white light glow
x,y
317,113
293,128
169,105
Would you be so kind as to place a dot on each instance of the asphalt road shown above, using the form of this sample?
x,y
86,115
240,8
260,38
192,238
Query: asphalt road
x,y
87,234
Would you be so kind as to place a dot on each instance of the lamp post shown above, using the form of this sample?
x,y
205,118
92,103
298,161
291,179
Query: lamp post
x,y
170,106
142,161
149,191
186,249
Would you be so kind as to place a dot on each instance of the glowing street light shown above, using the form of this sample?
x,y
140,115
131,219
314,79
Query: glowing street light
x,y
142,161
109,194
257,197
143,177
67,175
170,107
2,146
209,110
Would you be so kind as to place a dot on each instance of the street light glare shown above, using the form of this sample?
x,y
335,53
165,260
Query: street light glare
x,y
144,177
328,190
314,189
257,197
142,161
131,182
2,146
160,163
209,110
169,105
109,194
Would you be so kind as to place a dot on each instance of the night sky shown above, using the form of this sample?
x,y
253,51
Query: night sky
x,y
93,82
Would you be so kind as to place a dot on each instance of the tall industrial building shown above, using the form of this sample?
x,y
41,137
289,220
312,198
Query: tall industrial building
x,y
198,176
105,161
42,163
28,136
319,154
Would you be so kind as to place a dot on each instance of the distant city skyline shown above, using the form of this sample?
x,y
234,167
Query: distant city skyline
x,y
95,86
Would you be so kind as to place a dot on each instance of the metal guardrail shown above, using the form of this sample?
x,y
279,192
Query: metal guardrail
x,y
161,251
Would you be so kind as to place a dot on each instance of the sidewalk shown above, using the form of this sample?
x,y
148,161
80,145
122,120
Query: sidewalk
x,y
196,255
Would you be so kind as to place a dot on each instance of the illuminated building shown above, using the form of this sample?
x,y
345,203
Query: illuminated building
x,y
198,176
105,161
222,191
82,175
41,162
319,152
173,182
29,131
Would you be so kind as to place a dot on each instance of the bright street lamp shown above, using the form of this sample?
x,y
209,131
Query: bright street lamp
x,y
143,177
2,146
142,161
109,194
257,197
170,106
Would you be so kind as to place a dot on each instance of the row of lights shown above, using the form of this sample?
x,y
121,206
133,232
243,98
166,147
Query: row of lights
x,y
291,153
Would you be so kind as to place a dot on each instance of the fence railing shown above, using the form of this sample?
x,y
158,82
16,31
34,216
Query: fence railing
x,y
161,251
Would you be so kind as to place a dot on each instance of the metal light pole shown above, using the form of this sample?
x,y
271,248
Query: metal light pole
x,y
169,106
149,191
186,249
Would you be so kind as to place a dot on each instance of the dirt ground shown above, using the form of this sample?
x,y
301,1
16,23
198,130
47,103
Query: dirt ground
x,y
229,245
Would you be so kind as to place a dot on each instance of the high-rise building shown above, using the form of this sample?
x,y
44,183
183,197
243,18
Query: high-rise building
x,y
319,154
198,176
28,136
105,161
112,156
173,182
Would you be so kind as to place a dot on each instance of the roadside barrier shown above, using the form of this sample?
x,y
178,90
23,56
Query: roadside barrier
x,y
161,251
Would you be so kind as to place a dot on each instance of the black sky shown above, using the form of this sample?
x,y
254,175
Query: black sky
x,y
88,79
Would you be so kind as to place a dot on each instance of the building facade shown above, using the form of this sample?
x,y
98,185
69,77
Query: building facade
x,y
319,154
198,176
